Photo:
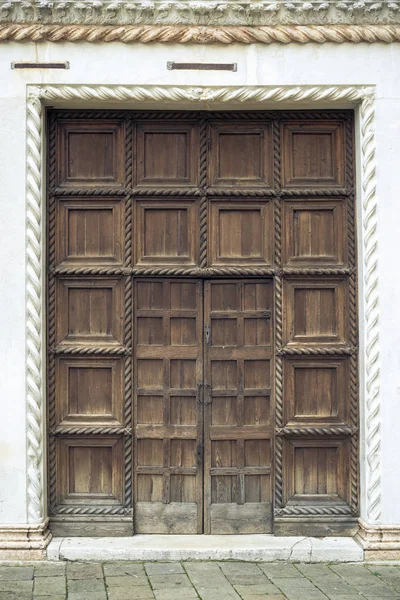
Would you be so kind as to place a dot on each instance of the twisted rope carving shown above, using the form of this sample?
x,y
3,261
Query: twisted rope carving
x,y
90,192
317,351
370,240
278,471
105,271
313,510
354,412
193,192
298,431
95,510
65,430
289,192
327,271
128,152
128,472
240,95
251,193
281,34
34,322
276,135
91,350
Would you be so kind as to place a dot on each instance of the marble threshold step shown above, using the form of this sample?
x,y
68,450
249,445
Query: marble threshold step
x,y
252,548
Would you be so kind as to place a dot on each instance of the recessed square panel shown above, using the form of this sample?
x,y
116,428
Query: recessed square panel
x,y
316,469
166,232
92,311
224,410
91,153
223,374
183,331
257,453
313,154
224,332
150,331
167,153
183,453
183,295
225,297
150,374
183,374
317,311
315,233
89,232
150,410
257,295
90,390
257,331
316,390
93,471
149,453
240,155
183,410
241,233
149,295
257,374
149,488
257,410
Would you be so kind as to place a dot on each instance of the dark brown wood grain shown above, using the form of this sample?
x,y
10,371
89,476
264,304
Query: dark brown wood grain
x,y
191,402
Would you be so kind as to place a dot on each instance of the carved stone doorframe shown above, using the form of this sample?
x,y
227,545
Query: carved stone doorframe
x,y
206,98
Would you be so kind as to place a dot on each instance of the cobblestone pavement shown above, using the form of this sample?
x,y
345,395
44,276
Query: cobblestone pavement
x,y
191,580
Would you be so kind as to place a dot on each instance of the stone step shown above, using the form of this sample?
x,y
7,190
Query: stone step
x,y
252,548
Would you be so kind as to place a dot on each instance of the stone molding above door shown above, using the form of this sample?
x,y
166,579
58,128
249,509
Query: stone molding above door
x,y
201,22
360,97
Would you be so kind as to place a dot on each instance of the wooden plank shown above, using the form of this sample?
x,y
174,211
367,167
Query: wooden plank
x,y
241,519
174,518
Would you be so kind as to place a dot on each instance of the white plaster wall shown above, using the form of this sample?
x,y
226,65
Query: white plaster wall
x,y
142,64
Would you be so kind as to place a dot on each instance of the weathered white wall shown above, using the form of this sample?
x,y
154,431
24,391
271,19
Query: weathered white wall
x,y
142,64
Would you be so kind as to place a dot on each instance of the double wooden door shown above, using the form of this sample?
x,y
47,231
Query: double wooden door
x,y
203,429
202,322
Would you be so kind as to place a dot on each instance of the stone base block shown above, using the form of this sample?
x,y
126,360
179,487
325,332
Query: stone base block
x,y
24,542
380,542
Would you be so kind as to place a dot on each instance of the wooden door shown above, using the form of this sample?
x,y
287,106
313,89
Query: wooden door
x,y
168,410
167,232
238,413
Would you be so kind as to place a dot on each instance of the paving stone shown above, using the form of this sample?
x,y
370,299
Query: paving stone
x,y
16,596
265,597
163,568
257,590
127,580
206,575
218,594
316,571
176,594
386,571
137,593
84,571
16,573
371,591
116,569
16,586
278,571
246,574
159,582
51,597
85,585
50,569
46,586
87,596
